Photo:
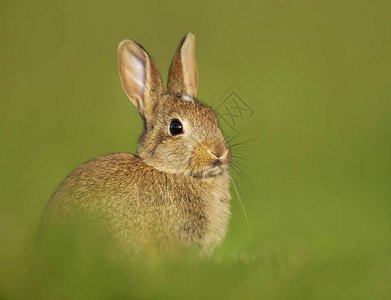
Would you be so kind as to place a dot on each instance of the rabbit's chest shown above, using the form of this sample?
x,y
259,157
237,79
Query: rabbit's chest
x,y
204,220
217,216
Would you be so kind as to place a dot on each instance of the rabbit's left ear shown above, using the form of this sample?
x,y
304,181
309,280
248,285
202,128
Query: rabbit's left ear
x,y
183,74
140,77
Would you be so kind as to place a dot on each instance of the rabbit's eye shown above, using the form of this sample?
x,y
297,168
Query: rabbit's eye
x,y
176,127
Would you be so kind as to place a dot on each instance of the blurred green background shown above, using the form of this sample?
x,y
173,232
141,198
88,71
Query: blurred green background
x,y
316,153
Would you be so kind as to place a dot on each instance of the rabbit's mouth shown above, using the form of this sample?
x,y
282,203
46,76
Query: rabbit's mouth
x,y
214,171
209,172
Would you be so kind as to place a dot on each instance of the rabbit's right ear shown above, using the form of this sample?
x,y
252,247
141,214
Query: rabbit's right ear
x,y
183,75
140,77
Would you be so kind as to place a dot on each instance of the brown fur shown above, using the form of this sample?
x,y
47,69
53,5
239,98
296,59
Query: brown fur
x,y
176,193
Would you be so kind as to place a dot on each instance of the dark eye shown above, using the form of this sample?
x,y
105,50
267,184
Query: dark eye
x,y
176,127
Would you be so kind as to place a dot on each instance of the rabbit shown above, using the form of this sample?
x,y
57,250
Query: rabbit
x,y
175,192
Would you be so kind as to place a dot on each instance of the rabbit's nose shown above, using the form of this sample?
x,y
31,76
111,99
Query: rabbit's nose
x,y
220,153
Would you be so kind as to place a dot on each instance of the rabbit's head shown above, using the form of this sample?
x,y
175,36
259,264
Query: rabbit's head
x,y
181,135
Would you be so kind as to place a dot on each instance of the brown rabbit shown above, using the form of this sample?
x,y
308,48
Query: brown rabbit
x,y
176,191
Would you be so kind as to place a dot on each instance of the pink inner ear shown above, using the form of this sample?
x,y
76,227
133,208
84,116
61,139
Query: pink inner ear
x,y
135,72
189,66
139,76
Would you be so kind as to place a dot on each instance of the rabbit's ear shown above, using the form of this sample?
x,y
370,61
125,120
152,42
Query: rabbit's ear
x,y
183,75
140,77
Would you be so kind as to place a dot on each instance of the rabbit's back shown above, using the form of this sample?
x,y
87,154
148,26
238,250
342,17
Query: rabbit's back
x,y
139,205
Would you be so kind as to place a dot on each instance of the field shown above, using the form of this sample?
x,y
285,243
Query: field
x,y
302,88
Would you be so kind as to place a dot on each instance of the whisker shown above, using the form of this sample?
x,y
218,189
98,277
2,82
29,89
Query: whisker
x,y
242,132
236,172
241,204
241,158
252,141
240,187
124,126
247,144
239,164
243,175
238,167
